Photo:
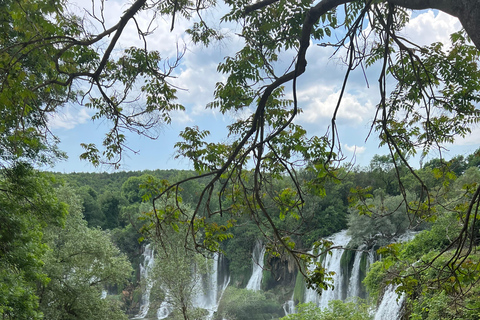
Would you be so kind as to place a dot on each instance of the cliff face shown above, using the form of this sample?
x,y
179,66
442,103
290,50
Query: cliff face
x,y
280,272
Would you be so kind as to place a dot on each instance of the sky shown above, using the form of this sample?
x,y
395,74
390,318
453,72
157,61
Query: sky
x,y
318,90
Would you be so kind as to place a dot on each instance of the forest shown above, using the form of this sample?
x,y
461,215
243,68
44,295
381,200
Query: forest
x,y
273,219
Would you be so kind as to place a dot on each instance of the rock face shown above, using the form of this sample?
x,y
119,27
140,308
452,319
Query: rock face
x,y
280,272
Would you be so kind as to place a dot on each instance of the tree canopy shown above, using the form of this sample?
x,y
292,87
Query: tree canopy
x,y
50,57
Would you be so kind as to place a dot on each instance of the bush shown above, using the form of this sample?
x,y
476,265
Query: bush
x,y
337,310
242,304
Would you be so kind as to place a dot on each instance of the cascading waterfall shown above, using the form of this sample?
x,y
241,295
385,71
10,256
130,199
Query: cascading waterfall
x,y
213,284
145,269
209,290
391,305
164,310
354,281
206,287
223,278
289,306
371,257
310,294
331,263
258,255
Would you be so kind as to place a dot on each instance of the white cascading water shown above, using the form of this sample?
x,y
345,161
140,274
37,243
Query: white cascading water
x,y
391,305
223,278
310,294
354,281
145,269
213,284
209,290
164,310
258,255
289,306
331,263
205,287
371,257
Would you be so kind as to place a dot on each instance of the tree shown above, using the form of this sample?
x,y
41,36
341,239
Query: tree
x,y
378,221
27,205
80,264
337,310
433,100
131,189
91,208
47,53
432,103
474,159
111,203
178,274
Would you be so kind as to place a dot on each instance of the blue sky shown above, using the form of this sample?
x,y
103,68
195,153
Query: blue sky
x,y
317,91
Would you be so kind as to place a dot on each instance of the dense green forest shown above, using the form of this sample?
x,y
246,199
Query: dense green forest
x,y
74,246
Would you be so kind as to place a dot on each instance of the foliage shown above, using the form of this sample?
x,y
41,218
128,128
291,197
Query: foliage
x,y
432,102
379,220
91,207
27,206
376,278
127,240
243,304
431,269
178,274
81,263
337,310
48,53
111,204
238,250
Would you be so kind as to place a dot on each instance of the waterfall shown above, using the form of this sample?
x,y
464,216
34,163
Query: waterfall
x,y
310,294
206,286
164,310
391,305
407,236
331,263
371,257
258,261
145,269
209,286
213,284
354,281
223,277
289,306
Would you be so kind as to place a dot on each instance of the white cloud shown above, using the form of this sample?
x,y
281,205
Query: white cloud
x,y
198,75
354,149
68,118
181,117
429,27
318,103
197,84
